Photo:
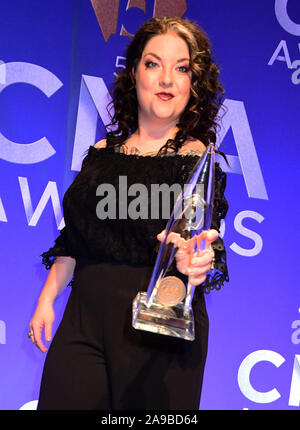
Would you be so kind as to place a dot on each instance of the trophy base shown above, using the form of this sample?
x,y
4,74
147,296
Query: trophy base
x,y
169,321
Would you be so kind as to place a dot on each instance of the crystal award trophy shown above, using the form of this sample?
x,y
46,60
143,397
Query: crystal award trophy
x,y
166,306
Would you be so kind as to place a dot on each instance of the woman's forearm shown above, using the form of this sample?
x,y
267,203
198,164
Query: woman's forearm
x,y
59,277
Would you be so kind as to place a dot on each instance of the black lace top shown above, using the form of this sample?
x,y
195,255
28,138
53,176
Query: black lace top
x,y
130,241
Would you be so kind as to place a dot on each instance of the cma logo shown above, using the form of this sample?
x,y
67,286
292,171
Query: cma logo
x,y
2,333
93,99
272,395
277,360
107,13
281,52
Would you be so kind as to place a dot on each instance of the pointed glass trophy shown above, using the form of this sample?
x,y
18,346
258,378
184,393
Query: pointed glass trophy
x,y
166,306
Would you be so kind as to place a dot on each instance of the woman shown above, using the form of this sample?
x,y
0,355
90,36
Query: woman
x,y
165,108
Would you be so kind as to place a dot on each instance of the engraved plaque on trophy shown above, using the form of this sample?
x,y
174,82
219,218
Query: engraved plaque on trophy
x,y
166,306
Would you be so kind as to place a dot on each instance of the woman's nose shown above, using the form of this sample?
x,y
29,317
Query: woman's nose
x,y
166,77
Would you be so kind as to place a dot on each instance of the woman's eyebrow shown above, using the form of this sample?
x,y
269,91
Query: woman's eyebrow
x,y
156,56
153,55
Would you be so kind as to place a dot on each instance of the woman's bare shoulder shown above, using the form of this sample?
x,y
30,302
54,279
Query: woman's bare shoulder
x,y
192,147
100,144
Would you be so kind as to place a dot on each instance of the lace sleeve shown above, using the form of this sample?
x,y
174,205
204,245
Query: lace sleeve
x,y
219,275
59,249
62,243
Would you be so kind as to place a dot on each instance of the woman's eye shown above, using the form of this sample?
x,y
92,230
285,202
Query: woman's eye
x,y
150,64
183,69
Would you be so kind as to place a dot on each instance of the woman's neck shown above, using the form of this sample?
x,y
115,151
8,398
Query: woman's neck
x,y
151,137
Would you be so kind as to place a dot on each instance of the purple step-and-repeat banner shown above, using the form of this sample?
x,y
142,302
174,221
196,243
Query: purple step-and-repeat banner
x,y
57,62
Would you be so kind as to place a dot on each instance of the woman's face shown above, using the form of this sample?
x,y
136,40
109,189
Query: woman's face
x,y
163,78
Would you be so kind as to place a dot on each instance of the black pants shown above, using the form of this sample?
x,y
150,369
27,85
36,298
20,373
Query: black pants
x,y
97,361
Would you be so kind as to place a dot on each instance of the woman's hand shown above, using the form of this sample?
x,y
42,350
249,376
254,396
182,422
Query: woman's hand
x,y
43,318
193,264
59,277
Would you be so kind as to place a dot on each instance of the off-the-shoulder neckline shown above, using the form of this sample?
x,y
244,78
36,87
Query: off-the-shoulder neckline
x,y
156,156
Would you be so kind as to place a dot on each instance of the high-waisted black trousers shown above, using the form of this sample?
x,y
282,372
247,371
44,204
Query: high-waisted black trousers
x,y
98,361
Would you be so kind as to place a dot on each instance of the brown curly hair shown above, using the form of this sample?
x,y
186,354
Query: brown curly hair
x,y
200,116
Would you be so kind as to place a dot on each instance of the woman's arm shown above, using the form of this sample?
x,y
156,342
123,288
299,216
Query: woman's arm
x,y
59,277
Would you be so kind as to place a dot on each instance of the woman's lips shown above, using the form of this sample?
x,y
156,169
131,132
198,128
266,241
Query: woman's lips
x,y
165,96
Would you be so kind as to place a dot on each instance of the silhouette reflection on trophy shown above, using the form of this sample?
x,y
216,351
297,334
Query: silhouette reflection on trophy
x,y
166,306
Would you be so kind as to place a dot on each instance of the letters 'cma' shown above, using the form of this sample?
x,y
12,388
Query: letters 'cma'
x,y
93,100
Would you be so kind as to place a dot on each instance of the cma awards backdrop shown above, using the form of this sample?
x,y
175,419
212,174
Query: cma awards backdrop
x,y
58,60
